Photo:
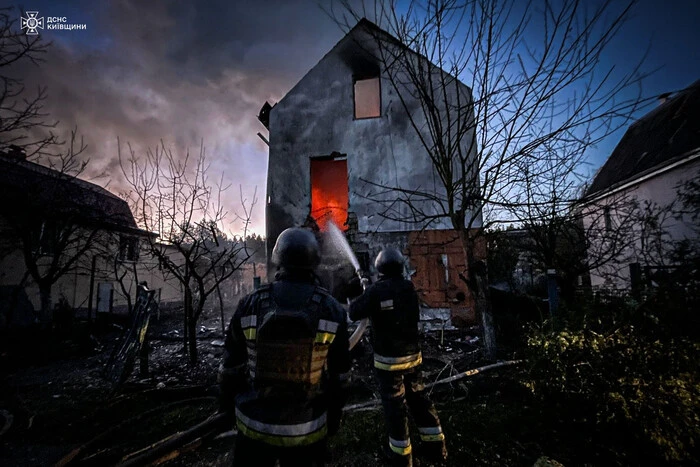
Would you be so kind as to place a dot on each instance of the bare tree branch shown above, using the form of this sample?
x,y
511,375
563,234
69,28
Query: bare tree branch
x,y
172,197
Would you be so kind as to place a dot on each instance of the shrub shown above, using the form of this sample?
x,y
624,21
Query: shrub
x,y
622,378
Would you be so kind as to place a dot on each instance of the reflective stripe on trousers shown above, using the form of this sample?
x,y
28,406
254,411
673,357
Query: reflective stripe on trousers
x,y
397,363
400,446
284,435
431,433
402,391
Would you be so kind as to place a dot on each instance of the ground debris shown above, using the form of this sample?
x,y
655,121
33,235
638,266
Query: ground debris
x,y
473,372
545,461
121,362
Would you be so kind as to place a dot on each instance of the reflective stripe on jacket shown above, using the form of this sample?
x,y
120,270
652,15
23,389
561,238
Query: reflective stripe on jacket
x,y
392,305
285,414
325,335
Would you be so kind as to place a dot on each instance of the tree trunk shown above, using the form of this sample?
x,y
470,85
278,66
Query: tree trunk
x,y
478,285
45,298
194,319
187,313
192,347
483,305
221,309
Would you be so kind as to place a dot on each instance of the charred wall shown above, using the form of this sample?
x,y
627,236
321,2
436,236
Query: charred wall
x,y
315,120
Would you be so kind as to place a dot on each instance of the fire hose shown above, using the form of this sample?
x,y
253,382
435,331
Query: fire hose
x,y
362,326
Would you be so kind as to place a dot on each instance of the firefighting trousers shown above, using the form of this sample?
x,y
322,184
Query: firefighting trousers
x,y
253,453
401,392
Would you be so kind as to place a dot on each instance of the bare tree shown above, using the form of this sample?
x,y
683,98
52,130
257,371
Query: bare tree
x,y
173,198
127,275
53,231
54,219
24,123
535,99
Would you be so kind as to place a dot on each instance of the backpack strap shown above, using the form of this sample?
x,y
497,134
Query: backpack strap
x,y
325,333
314,303
265,301
250,323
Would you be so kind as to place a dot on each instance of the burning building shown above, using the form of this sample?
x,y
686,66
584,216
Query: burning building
x,y
337,135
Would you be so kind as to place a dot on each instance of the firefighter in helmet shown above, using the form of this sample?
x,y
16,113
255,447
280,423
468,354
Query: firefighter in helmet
x,y
392,306
285,362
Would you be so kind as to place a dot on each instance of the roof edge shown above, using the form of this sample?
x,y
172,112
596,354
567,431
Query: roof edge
x,y
367,24
652,172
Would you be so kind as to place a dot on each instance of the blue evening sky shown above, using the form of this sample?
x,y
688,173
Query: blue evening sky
x,y
183,71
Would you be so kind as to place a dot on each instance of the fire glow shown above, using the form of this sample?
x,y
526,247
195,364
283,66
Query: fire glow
x,y
329,192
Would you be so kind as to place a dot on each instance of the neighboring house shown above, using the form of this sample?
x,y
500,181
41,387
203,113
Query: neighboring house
x,y
65,239
657,155
336,134
244,281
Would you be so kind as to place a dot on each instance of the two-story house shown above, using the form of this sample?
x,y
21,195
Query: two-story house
x,y
337,136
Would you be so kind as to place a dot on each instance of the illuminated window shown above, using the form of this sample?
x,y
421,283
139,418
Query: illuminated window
x,y
367,98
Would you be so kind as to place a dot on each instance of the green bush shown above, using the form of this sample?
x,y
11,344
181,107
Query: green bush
x,y
622,379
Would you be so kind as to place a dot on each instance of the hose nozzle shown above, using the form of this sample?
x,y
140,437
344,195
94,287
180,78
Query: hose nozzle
x,y
364,279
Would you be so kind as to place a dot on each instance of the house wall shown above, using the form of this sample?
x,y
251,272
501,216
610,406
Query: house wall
x,y
242,282
316,119
74,286
661,190
424,266
168,289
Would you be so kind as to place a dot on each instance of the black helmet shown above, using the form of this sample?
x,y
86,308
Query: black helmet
x,y
389,262
296,248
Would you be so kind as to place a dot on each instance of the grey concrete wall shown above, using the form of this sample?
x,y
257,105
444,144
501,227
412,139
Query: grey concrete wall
x,y
316,118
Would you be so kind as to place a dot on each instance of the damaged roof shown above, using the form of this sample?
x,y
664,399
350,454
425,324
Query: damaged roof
x,y
663,136
359,54
27,186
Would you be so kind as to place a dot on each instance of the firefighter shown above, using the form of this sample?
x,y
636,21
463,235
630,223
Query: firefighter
x,y
392,306
285,362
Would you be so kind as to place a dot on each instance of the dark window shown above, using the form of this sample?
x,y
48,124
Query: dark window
x,y
367,98
608,218
128,248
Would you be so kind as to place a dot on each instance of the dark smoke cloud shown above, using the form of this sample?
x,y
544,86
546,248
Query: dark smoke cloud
x,y
181,72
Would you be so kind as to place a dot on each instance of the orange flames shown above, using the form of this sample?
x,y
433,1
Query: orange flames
x,y
329,192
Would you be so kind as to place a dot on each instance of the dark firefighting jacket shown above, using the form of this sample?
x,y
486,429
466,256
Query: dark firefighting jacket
x,y
392,306
264,409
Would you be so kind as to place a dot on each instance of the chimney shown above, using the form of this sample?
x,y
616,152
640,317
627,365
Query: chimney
x,y
14,152
264,115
